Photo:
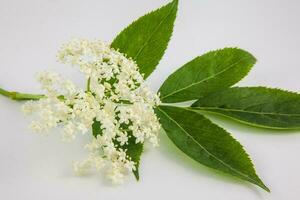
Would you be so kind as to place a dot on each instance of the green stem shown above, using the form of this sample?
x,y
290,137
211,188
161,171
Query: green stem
x,y
20,96
88,85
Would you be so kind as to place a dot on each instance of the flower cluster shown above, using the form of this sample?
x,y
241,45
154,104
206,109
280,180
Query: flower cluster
x,y
116,100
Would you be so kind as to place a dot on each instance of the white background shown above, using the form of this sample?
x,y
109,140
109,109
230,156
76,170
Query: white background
x,y
34,167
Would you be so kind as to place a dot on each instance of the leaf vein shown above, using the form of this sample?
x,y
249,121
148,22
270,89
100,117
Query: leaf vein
x,y
246,111
203,80
218,159
155,30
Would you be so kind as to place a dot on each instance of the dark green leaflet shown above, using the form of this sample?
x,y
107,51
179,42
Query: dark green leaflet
x,y
146,39
207,143
96,128
208,73
258,106
133,150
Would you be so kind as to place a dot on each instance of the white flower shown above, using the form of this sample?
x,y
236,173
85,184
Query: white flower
x,y
116,176
82,128
81,168
118,100
122,138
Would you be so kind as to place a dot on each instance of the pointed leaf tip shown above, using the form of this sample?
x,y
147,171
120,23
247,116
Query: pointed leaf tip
x,y
147,38
136,174
207,143
213,71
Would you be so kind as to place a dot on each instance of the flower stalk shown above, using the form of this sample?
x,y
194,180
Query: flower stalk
x,y
17,96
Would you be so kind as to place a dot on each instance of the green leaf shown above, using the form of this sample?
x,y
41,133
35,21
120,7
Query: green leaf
x,y
133,150
146,39
96,128
258,106
208,73
207,143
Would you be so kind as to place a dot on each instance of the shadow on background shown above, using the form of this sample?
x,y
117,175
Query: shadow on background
x,y
174,154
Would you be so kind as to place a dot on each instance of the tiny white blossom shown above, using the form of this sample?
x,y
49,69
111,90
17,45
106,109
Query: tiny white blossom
x,y
81,168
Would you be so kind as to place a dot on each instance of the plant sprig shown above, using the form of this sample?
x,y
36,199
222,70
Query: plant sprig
x,y
208,80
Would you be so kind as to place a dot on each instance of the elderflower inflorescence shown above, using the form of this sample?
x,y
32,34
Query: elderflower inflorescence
x,y
117,101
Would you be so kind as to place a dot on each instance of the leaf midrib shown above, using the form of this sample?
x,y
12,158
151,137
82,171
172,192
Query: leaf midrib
x,y
223,163
203,80
244,111
155,30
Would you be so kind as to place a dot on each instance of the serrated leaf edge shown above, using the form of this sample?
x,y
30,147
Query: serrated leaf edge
x,y
211,110
222,71
223,163
175,5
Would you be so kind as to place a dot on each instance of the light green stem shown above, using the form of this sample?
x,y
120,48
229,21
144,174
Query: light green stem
x,y
88,85
20,96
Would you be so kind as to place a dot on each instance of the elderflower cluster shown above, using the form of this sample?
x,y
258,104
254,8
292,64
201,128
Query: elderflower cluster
x,y
117,104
